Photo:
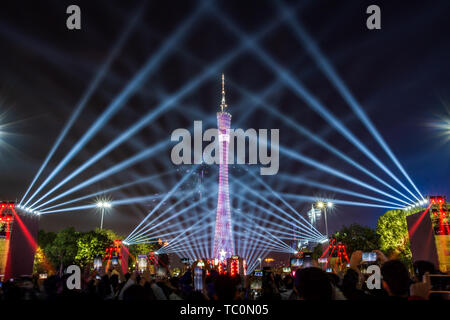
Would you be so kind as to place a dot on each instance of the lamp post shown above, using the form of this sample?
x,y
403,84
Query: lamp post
x,y
322,205
103,205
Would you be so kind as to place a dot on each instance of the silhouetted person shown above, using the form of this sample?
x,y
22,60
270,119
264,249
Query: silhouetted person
x,y
396,279
350,286
312,284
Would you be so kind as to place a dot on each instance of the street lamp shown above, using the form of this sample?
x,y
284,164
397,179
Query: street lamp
x,y
103,205
321,205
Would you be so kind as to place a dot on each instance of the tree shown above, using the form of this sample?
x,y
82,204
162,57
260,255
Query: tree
x,y
357,237
393,232
45,238
111,235
317,251
68,247
142,248
89,245
63,249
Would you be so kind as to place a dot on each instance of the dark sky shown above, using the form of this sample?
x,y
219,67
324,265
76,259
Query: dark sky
x,y
399,75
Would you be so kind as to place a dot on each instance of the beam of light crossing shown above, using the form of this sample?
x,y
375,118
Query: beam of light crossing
x,y
168,195
307,229
147,229
177,238
152,63
87,95
228,57
117,168
110,190
323,186
339,84
291,232
311,100
165,106
304,131
275,239
323,167
304,198
308,226
113,203
168,103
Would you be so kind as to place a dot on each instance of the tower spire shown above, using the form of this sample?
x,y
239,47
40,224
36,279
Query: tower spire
x,y
223,104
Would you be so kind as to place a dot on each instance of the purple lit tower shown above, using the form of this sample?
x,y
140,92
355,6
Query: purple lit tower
x,y
223,237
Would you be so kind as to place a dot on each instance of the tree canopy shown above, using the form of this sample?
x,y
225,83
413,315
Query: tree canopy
x,y
69,246
357,237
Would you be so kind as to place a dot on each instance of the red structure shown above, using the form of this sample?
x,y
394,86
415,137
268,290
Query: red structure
x,y
236,266
116,253
18,234
429,233
336,255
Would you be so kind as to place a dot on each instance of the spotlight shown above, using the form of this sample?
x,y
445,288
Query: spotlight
x,y
320,204
330,204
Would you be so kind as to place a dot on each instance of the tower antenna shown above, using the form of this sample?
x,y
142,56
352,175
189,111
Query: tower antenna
x,y
223,104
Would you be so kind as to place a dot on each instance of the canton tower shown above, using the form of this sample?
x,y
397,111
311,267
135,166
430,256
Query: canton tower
x,y
223,237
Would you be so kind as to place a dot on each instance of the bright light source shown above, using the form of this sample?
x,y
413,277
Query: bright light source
x,y
103,204
330,204
320,204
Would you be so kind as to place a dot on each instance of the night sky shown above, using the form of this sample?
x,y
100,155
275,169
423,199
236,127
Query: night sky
x,y
399,75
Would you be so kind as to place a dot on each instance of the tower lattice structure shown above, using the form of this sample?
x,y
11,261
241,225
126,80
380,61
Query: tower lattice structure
x,y
223,236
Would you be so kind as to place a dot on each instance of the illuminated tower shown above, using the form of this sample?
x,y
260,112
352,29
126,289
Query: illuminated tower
x,y
223,237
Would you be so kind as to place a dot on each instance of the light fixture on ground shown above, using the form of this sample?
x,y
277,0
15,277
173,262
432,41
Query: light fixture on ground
x,y
103,205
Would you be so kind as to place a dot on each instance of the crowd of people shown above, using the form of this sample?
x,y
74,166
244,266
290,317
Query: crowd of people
x,y
310,283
